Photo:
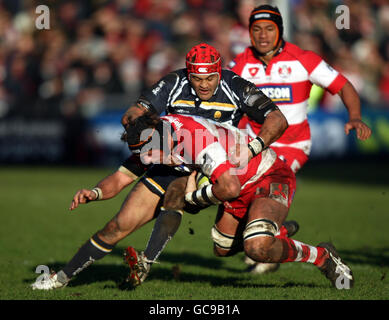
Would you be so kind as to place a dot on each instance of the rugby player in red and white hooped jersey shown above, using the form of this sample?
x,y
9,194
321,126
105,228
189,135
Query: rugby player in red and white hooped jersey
x,y
254,198
285,73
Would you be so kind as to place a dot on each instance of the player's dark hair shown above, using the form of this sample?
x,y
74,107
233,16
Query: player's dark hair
x,y
155,137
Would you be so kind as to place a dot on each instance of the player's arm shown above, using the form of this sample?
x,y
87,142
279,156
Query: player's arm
x,y
263,110
224,188
107,188
153,99
323,75
351,100
132,113
273,127
225,184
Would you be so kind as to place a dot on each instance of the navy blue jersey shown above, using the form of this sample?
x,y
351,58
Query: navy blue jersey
x,y
233,97
173,94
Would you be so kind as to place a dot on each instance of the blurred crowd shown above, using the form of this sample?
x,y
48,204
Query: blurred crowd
x,y
98,54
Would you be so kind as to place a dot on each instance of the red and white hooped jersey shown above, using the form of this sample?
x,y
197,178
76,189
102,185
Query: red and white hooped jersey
x,y
206,143
287,80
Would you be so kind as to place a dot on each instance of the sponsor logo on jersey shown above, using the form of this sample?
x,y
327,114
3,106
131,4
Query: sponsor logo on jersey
x,y
278,93
158,87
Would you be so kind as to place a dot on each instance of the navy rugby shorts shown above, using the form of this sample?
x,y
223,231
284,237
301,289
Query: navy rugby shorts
x,y
158,178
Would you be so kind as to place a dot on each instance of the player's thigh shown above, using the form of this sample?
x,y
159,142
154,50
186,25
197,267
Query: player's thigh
x,y
226,222
227,233
269,209
138,208
272,195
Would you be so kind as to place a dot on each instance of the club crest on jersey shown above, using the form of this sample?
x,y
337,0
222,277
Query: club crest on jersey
x,y
253,71
280,94
217,114
284,71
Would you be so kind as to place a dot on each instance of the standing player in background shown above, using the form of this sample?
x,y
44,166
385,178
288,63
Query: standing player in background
x,y
286,73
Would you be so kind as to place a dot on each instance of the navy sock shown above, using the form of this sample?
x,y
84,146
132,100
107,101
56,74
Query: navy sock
x,y
165,227
94,249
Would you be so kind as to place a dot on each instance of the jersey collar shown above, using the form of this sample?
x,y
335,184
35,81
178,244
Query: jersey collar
x,y
193,92
258,56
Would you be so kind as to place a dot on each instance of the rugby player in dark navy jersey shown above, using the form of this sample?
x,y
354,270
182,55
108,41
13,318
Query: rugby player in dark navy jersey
x,y
202,89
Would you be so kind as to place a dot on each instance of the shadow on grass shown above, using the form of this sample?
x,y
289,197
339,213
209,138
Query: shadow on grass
x,y
117,272
193,259
366,256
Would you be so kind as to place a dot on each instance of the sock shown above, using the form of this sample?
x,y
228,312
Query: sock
x,y
166,225
294,251
94,249
283,232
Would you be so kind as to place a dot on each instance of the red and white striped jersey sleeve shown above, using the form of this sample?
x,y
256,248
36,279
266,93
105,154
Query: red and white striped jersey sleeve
x,y
321,73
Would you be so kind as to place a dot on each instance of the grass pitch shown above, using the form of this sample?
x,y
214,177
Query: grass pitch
x,y
347,204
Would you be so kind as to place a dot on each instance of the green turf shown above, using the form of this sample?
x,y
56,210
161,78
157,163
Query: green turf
x,y
350,207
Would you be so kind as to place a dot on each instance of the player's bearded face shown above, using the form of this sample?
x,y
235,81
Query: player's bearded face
x,y
204,85
264,36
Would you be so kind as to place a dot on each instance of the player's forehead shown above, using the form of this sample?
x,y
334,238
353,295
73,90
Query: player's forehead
x,y
262,24
203,76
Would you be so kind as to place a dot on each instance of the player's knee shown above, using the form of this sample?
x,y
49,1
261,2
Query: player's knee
x,y
259,239
259,248
112,230
219,252
175,202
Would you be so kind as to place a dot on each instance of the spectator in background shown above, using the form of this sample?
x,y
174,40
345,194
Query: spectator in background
x,y
137,40
359,43
239,35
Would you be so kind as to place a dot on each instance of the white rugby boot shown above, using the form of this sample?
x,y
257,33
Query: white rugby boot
x,y
50,282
